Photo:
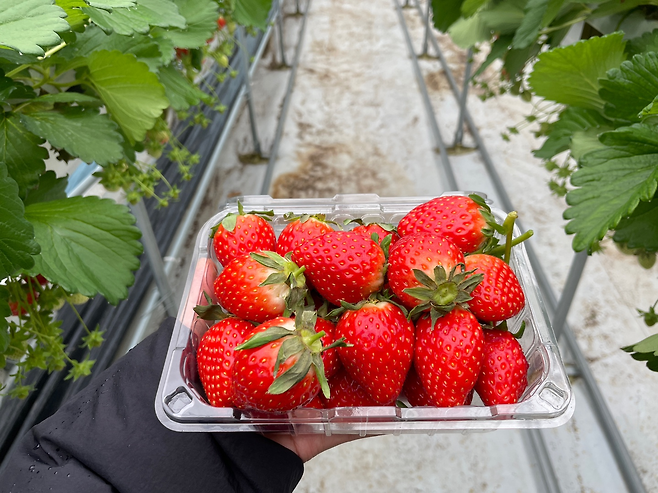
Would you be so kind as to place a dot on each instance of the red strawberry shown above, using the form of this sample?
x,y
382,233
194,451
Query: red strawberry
x,y
221,22
448,356
382,230
329,357
381,347
301,229
317,402
503,377
279,368
463,220
260,286
242,233
342,266
499,295
215,358
414,391
346,392
420,251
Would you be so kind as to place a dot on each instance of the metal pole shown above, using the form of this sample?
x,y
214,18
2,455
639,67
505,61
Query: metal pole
x,y
566,298
459,134
155,257
548,477
446,168
247,85
427,28
279,23
267,181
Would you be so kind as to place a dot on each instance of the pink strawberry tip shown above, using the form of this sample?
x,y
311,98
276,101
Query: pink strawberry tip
x,y
445,292
230,220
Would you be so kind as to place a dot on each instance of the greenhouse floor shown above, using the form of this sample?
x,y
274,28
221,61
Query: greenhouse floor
x,y
357,124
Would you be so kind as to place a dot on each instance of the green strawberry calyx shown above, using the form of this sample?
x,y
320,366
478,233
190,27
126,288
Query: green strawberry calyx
x,y
302,343
291,216
445,292
287,272
210,311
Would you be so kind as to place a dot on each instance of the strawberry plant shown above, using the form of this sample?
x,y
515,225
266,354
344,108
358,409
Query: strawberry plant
x,y
598,114
98,82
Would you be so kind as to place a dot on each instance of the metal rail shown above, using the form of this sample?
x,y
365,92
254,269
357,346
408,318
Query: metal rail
x,y
604,417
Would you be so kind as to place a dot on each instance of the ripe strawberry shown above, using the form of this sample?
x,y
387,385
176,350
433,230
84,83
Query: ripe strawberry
x,y
382,230
317,402
242,233
221,23
260,286
381,347
466,221
342,266
301,229
330,357
414,391
346,392
499,295
448,356
279,367
216,356
423,252
503,377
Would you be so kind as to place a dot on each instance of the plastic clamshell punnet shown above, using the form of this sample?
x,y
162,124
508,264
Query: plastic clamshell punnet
x,y
181,406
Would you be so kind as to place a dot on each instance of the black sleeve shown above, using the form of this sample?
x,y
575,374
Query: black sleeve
x,y
108,439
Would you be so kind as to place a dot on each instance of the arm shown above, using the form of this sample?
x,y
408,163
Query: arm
x,y
108,438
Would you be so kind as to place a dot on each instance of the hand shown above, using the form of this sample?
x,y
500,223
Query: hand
x,y
308,446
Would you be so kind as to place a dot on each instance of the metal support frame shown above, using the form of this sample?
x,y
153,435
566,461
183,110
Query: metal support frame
x,y
279,24
459,133
604,417
274,151
244,64
154,257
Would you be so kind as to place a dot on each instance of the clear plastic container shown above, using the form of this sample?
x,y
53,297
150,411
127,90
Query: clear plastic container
x,y
181,406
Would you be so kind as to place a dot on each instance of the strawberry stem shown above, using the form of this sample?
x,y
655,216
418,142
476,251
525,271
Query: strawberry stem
x,y
500,249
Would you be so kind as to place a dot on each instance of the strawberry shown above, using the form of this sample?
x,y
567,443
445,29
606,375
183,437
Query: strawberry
x,y
330,357
317,402
499,295
448,356
466,221
221,23
381,347
342,266
260,286
419,252
414,391
346,392
242,233
216,356
279,367
300,229
382,230
503,377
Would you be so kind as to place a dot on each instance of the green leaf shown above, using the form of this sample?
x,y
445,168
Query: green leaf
x,y
627,90
14,90
446,13
145,48
69,97
640,229
201,17
498,49
648,345
29,25
585,141
82,132
92,245
466,33
111,4
50,188
650,110
7,55
611,182
645,43
21,151
528,31
470,7
180,92
133,95
74,15
570,121
5,312
17,244
252,13
147,13
570,75
504,17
